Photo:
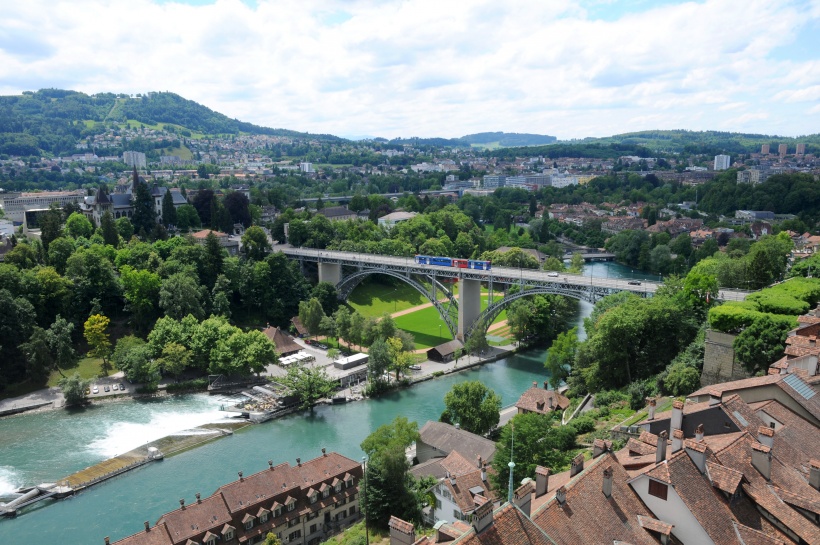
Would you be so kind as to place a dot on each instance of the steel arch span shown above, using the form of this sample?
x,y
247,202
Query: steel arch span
x,y
582,293
349,283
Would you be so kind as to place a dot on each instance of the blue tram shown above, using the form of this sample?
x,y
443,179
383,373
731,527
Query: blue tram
x,y
454,262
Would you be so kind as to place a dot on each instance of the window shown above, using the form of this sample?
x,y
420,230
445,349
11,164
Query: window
x,y
263,517
211,541
293,522
338,487
229,535
249,525
313,498
277,511
294,535
456,514
292,506
658,489
438,503
326,492
312,528
352,510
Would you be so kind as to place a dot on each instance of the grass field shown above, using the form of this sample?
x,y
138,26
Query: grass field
x,y
424,325
87,367
374,298
182,152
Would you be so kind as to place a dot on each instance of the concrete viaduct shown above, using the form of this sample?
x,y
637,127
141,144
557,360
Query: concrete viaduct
x,y
463,315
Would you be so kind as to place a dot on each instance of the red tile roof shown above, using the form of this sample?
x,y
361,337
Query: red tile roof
x,y
537,400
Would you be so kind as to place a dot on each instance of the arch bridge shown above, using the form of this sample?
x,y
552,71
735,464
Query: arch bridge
x,y
463,315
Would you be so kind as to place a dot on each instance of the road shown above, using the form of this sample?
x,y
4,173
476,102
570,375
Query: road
x,y
496,274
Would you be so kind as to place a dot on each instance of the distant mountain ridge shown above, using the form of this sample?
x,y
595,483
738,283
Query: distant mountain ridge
x,y
495,139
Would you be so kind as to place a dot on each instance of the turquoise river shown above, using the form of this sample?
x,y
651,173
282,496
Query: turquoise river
x,y
45,446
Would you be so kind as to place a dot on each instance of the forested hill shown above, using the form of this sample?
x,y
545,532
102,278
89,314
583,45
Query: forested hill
x,y
705,142
482,139
53,120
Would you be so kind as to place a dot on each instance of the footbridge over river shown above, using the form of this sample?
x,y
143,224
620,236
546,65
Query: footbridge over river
x,y
463,314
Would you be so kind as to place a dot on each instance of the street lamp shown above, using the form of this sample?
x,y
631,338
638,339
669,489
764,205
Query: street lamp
x,y
364,497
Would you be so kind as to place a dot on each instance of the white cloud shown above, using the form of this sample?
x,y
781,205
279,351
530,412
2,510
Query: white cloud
x,y
430,68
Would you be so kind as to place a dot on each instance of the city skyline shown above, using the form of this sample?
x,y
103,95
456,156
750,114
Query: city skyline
x,y
569,68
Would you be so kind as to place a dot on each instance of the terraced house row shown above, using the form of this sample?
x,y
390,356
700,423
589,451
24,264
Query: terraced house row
x,y
302,504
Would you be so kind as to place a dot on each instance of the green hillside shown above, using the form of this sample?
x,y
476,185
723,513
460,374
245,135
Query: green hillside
x,y
54,120
707,142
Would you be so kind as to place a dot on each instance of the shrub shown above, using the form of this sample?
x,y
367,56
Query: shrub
x,y
638,391
196,384
681,380
607,398
583,424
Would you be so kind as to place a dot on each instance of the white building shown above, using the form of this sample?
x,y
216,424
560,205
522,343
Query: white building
x,y
16,205
722,162
134,159
492,181
307,168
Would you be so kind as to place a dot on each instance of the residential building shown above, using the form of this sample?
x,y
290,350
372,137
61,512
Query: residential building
x,y
541,400
307,168
782,149
494,181
15,205
337,213
463,487
302,505
285,345
722,162
226,241
134,159
754,215
764,149
388,221
438,440
801,149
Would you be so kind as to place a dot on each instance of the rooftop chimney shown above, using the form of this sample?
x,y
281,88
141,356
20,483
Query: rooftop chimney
x,y
147,526
270,464
535,384
697,452
699,432
483,516
401,532
458,426
197,498
577,465
107,540
451,478
651,407
765,436
762,460
814,474
561,495
240,476
677,440
479,461
523,496
551,400
542,478
677,416
182,504
546,385
660,453
299,462
607,488
600,446
324,453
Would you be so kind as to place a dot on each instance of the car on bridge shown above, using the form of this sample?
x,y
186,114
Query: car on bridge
x,y
634,282
553,274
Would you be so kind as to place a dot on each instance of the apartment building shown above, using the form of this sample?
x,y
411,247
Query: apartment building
x,y
302,505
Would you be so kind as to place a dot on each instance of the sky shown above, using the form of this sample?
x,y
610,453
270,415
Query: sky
x,y
446,68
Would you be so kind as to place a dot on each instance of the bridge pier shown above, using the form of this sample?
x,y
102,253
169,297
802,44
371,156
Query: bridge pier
x,y
469,305
330,272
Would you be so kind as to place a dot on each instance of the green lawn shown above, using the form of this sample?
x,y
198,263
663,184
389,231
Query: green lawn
x,y
374,299
424,325
87,367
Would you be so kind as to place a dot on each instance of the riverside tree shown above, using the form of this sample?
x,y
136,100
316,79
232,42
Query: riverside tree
x,y
389,486
309,384
96,334
473,406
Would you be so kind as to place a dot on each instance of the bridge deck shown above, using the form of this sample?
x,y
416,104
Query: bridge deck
x,y
496,274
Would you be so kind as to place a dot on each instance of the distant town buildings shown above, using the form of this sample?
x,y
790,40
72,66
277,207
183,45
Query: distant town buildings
x,y
722,162
764,149
134,159
15,205
783,149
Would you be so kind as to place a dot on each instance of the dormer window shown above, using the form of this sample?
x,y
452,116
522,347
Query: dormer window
x,y
248,521
658,489
326,492
348,480
290,503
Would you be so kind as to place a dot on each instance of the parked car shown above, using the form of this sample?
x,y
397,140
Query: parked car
x,y
122,387
95,390
309,341
115,387
106,388
415,367
322,346
634,282
553,274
